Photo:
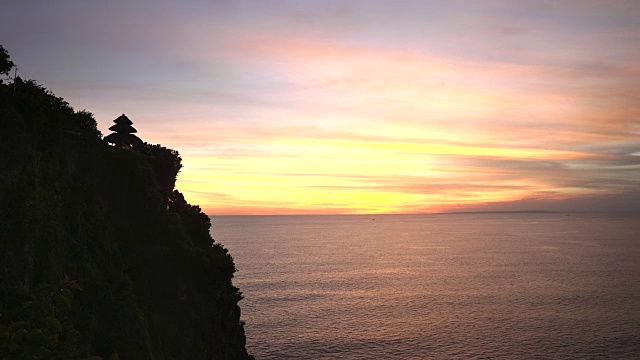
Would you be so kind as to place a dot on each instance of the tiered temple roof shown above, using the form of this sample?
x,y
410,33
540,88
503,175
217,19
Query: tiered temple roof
x,y
123,133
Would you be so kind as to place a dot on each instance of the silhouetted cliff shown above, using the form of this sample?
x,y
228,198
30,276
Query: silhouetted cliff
x,y
94,260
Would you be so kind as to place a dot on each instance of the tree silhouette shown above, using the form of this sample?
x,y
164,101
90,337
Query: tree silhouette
x,y
5,63
85,122
195,221
122,135
166,164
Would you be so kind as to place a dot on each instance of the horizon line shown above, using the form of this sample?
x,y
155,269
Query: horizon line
x,y
445,213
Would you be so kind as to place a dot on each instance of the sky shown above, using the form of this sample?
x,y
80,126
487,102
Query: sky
x,y
362,106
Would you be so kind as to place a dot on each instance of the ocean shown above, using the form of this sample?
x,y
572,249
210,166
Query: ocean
x,y
450,286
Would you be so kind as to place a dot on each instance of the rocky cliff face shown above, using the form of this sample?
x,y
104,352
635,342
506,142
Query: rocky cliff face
x,y
92,261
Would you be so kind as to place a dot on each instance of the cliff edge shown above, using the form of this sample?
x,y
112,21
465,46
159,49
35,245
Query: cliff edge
x,y
97,260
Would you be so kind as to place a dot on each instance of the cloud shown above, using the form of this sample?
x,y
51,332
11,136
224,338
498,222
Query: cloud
x,y
626,202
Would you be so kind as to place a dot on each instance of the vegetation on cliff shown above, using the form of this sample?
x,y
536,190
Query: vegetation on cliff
x,y
99,254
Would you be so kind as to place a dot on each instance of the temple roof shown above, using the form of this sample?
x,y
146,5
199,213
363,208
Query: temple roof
x,y
123,119
122,139
123,128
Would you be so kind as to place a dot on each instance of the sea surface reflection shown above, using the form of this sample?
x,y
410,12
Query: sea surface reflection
x,y
467,286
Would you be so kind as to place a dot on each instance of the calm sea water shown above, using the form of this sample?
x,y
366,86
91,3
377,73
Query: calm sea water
x,y
466,286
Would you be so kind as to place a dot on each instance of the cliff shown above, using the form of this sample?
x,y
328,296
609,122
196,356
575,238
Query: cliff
x,y
95,259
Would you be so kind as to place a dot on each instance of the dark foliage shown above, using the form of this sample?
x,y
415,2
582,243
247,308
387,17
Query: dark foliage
x,y
166,164
71,204
195,221
47,119
86,123
5,62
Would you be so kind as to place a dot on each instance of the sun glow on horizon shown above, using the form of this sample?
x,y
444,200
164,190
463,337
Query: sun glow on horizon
x,y
369,130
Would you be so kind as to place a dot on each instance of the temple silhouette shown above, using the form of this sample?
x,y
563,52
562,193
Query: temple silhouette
x,y
122,135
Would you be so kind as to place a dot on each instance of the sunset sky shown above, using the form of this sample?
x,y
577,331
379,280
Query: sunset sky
x,y
363,106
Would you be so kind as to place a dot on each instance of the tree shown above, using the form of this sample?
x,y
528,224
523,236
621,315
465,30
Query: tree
x,y
195,221
83,120
5,62
166,163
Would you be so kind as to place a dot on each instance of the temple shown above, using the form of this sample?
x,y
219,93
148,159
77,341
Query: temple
x,y
122,135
